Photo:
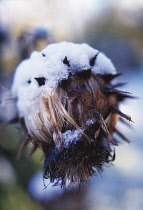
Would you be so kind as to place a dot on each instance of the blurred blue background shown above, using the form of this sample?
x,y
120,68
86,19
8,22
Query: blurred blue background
x,y
114,27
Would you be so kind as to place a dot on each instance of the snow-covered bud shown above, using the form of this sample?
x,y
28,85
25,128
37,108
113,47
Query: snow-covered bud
x,y
68,106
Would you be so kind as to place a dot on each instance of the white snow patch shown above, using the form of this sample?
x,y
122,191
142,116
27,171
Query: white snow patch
x,y
103,65
90,122
49,64
71,137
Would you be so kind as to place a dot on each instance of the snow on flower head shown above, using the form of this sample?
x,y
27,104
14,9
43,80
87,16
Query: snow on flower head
x,y
40,74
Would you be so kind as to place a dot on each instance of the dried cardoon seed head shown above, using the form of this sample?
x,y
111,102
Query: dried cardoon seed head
x,y
68,107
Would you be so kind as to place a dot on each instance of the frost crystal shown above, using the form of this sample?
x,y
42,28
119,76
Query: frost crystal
x,y
90,122
71,137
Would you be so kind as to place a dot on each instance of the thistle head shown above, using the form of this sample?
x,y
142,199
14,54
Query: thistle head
x,y
68,106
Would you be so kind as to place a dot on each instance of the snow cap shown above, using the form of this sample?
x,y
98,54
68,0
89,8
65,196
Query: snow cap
x,y
41,73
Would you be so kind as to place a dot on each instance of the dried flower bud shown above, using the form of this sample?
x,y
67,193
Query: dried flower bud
x,y
68,106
